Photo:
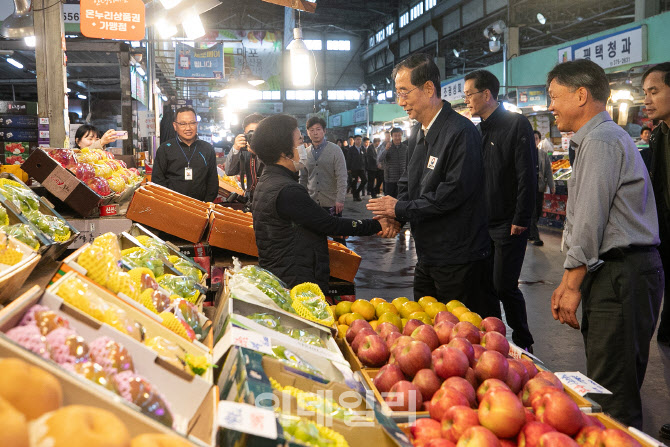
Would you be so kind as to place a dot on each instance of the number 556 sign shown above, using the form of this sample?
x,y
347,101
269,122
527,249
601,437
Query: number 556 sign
x,y
70,13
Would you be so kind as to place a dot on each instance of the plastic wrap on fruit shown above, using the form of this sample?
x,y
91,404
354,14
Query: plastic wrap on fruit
x,y
84,172
310,303
4,218
21,197
110,243
291,359
154,245
251,280
304,431
23,233
185,267
64,156
303,336
99,185
316,403
189,313
182,286
98,264
167,350
138,257
267,320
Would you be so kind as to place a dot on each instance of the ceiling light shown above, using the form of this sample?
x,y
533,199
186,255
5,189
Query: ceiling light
x,y
456,53
622,95
541,18
193,25
80,96
30,41
140,70
20,23
169,4
301,63
15,63
165,28
164,98
68,90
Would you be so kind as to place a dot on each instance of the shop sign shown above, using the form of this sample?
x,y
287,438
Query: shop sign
x,y
336,121
70,13
197,63
531,96
360,115
622,48
453,90
112,19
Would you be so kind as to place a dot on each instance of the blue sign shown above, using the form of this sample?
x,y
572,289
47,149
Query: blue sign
x,y
531,96
612,50
196,63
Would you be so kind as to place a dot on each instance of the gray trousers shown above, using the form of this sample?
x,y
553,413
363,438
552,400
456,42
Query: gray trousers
x,y
620,306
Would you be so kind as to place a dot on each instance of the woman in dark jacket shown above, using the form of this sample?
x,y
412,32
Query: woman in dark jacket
x,y
291,229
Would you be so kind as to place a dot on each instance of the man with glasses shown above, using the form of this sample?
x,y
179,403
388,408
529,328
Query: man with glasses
x,y
186,164
441,192
241,160
510,162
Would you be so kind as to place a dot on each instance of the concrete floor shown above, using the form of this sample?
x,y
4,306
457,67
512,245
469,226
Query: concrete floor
x,y
387,269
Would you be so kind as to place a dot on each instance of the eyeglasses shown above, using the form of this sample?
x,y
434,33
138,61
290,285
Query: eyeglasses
x,y
470,95
191,124
404,95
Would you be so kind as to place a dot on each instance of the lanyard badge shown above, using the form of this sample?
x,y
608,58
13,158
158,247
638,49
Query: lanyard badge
x,y
188,174
188,171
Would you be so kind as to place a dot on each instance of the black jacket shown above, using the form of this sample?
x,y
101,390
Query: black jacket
x,y
171,162
658,180
356,159
510,161
441,192
371,158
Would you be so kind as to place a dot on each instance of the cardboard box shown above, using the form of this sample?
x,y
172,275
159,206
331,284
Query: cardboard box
x,y
185,393
18,134
225,233
170,217
18,121
644,439
344,263
18,108
13,278
63,184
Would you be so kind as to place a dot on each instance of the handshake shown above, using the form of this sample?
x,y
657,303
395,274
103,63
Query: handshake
x,y
384,210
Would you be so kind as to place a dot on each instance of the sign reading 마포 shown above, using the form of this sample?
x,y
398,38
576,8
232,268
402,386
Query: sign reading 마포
x,y
199,63
112,19
613,50
453,90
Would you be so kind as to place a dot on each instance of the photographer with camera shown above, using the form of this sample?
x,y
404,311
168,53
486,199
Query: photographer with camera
x,y
241,160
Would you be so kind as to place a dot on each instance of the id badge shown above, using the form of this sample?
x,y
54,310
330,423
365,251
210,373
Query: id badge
x,y
188,174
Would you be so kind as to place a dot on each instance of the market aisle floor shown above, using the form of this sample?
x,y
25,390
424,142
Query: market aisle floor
x,y
387,269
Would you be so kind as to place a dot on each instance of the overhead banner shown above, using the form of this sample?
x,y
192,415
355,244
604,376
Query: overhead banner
x,y
112,19
453,90
197,63
531,96
622,48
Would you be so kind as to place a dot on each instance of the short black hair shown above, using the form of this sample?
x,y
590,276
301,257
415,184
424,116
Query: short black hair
x,y
316,120
582,73
396,130
663,68
184,110
366,139
357,136
339,140
643,129
82,131
423,69
274,137
485,80
537,132
251,119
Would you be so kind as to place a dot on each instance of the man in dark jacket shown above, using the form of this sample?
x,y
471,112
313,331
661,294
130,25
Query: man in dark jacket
x,y
392,156
441,193
510,161
356,164
186,164
241,159
656,84
372,168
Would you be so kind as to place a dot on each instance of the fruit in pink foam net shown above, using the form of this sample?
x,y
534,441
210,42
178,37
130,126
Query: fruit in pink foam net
x,y
100,186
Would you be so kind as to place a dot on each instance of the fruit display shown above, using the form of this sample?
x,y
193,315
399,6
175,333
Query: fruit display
x,y
306,432
23,233
560,164
293,360
309,302
98,169
102,361
262,286
274,323
4,218
11,251
20,195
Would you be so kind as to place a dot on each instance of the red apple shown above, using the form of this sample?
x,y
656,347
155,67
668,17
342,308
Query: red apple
x,y
386,328
588,436
84,172
556,439
428,382
496,342
491,365
590,420
99,185
561,412
530,416
502,413
388,376
440,443
360,336
465,346
532,386
507,443
519,367
413,357
400,343
513,380
470,377
373,352
490,385
443,330
493,324
404,396
411,325
551,377
463,386
479,350
467,330
478,437
356,326
444,399
612,437
391,337
530,367
426,428
456,420
537,396
529,436
426,334
450,362
445,316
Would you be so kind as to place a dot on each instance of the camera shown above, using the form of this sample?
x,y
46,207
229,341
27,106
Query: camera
x,y
247,136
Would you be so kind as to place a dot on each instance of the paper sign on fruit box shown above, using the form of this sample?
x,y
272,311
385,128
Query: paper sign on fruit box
x,y
112,19
581,384
247,418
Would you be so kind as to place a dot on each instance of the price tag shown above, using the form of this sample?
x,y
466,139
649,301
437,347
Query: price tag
x,y
247,418
515,351
581,384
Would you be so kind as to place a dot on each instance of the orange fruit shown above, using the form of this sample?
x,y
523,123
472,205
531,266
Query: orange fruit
x,y
385,308
409,308
392,318
398,302
473,318
453,304
425,300
377,301
353,317
433,308
460,311
421,316
343,307
342,319
374,324
342,330
363,308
